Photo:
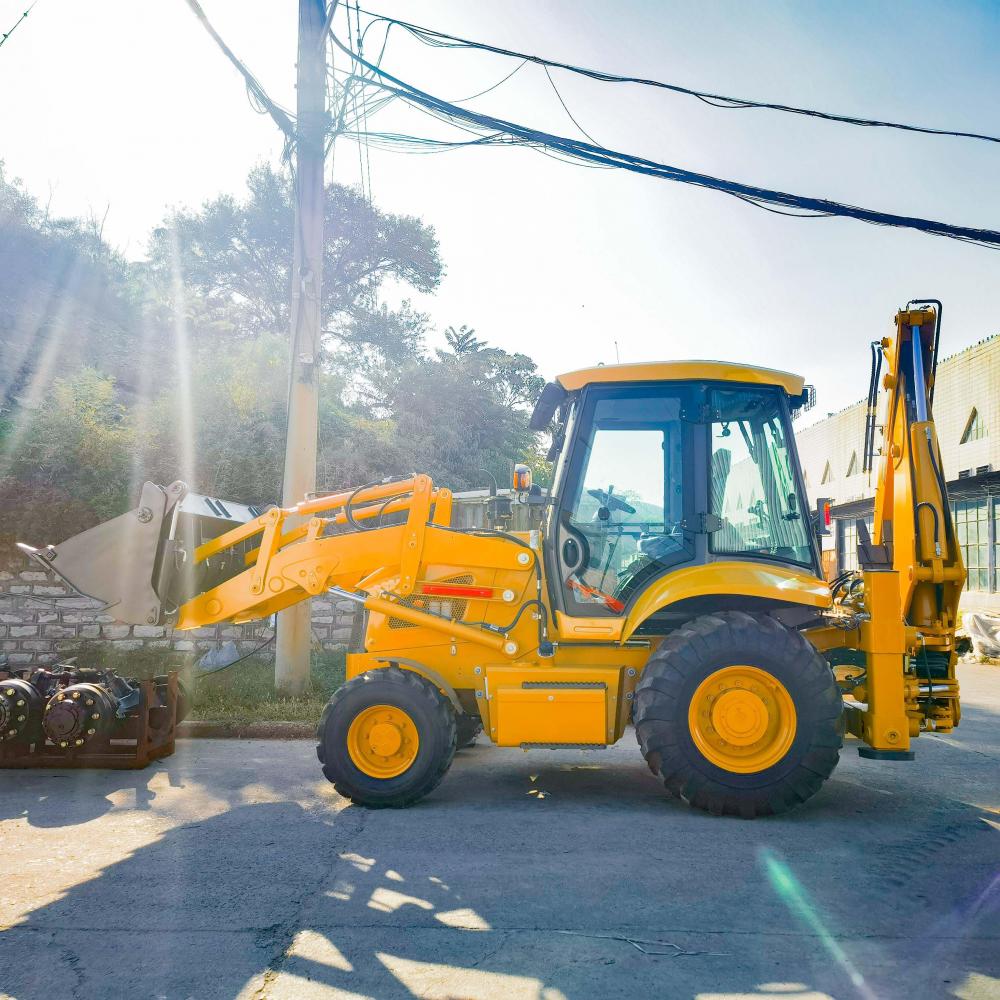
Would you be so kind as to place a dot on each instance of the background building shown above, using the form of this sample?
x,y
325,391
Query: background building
x,y
967,414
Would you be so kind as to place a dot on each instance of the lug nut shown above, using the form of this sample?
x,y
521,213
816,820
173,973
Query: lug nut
x,y
96,715
79,743
9,692
90,732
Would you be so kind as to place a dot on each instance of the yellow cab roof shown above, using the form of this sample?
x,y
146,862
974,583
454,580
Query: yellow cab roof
x,y
677,371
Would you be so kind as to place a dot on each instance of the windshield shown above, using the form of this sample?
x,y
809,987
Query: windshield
x,y
754,489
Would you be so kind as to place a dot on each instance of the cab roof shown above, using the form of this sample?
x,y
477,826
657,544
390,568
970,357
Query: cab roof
x,y
677,371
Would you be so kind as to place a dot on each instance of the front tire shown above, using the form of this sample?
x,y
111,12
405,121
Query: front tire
x,y
386,738
739,715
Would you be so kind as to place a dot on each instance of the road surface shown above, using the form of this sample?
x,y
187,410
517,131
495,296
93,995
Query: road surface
x,y
234,870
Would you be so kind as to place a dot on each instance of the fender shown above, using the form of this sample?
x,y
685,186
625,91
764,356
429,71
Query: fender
x,y
432,675
781,584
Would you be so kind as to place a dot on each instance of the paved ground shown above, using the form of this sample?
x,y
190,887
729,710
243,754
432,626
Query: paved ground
x,y
234,870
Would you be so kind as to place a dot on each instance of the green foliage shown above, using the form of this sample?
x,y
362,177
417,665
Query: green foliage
x,y
463,340
65,300
177,367
80,433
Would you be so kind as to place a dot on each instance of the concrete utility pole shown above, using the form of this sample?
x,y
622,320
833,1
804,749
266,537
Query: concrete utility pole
x,y
291,669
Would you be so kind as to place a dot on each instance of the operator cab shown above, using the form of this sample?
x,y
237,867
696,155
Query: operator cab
x,y
666,465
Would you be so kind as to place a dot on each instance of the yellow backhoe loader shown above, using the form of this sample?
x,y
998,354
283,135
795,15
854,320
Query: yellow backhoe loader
x,y
670,579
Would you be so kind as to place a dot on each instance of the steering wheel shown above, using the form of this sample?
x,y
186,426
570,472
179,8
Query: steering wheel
x,y
610,501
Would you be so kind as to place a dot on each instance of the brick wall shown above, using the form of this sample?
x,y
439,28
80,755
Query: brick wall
x,y
41,621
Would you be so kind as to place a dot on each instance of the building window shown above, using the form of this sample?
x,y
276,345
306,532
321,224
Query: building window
x,y
972,529
996,546
827,474
852,469
847,542
975,428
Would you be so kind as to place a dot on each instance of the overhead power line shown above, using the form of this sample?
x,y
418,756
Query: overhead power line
x,y
17,24
440,39
498,130
264,104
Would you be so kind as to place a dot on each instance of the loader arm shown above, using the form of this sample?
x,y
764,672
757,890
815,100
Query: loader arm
x,y
904,614
177,560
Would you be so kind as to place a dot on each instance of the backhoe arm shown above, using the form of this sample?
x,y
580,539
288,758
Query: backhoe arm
x,y
912,566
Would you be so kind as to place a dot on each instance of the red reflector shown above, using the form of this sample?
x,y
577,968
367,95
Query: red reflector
x,y
455,590
826,514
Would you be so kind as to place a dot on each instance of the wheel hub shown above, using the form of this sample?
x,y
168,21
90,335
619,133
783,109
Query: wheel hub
x,y
742,719
383,741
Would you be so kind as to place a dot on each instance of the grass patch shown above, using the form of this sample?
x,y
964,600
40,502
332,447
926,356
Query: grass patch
x,y
245,692
241,693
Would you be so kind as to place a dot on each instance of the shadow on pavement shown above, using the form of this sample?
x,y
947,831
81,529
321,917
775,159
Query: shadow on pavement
x,y
49,807
573,880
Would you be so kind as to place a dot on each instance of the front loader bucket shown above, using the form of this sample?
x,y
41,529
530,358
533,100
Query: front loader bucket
x,y
141,565
116,562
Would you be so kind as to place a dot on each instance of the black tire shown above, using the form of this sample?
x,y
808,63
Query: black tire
x,y
468,727
673,675
432,714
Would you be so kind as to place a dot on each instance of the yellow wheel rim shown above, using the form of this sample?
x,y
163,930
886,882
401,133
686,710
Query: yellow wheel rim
x,y
383,741
742,719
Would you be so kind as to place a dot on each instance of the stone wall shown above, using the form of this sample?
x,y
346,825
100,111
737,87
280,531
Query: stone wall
x,y
42,621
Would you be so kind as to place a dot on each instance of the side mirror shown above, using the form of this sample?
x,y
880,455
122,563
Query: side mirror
x,y
522,479
549,400
821,517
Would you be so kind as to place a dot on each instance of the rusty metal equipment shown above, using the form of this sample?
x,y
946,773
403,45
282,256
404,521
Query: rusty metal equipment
x,y
80,717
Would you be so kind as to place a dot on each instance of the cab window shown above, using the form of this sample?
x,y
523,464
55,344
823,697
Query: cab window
x,y
754,490
622,518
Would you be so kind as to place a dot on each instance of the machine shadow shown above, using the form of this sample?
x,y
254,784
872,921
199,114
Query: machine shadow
x,y
49,808
445,900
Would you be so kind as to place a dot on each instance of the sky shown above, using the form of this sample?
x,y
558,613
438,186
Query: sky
x,y
127,108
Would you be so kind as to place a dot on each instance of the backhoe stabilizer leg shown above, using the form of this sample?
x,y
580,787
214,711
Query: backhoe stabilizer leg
x,y
885,726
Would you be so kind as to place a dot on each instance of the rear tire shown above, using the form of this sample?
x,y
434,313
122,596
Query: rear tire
x,y
386,738
739,715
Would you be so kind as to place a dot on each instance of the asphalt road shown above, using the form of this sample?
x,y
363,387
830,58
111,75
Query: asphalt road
x,y
234,870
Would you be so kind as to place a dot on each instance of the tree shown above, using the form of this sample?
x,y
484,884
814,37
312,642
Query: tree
x,y
466,411
236,257
463,340
66,300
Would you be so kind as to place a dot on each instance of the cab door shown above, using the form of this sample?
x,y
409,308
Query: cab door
x,y
622,516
